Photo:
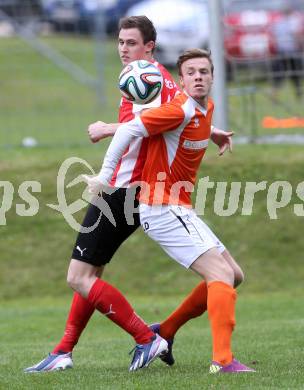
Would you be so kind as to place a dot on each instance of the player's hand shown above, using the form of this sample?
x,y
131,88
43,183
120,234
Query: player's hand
x,y
98,130
222,139
95,186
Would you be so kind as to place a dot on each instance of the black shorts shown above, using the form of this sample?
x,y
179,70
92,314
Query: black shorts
x,y
98,246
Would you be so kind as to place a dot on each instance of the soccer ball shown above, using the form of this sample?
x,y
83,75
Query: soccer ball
x,y
140,82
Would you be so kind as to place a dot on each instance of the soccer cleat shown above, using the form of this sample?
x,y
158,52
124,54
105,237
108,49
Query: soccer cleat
x,y
53,362
144,354
166,357
234,367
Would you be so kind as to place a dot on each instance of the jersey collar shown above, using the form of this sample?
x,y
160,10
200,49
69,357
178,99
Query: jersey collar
x,y
197,105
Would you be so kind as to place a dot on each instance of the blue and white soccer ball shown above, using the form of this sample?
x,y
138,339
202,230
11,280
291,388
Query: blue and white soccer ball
x,y
140,82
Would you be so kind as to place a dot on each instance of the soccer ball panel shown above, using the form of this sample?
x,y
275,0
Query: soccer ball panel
x,y
140,82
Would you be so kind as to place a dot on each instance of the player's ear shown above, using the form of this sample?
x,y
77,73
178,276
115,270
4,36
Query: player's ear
x,y
150,46
181,81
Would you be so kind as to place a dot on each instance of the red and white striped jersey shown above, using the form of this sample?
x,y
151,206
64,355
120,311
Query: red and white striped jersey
x,y
130,167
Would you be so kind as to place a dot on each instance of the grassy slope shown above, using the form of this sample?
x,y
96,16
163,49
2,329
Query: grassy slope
x,y
42,101
37,249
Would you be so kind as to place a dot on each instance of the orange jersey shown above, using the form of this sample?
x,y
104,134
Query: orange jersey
x,y
179,133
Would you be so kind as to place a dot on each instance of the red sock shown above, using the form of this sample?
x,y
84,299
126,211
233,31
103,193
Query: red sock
x,y
110,302
194,305
79,315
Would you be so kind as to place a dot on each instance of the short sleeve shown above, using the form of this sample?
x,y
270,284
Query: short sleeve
x,y
167,117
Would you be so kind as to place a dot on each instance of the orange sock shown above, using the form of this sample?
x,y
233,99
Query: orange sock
x,y
193,306
221,305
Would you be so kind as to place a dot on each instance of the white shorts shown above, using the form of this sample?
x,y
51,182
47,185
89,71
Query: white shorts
x,y
179,231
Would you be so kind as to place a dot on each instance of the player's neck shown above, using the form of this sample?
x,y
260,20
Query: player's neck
x,y
149,58
203,102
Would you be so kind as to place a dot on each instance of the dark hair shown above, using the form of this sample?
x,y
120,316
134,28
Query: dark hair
x,y
142,23
193,53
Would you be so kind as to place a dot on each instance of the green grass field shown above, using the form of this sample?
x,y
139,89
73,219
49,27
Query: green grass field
x,y
268,337
35,251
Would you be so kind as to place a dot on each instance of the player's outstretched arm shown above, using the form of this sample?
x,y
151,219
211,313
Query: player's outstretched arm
x,y
99,130
125,133
222,139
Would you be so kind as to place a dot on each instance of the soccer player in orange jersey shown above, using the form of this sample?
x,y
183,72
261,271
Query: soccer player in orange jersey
x,y
93,251
179,133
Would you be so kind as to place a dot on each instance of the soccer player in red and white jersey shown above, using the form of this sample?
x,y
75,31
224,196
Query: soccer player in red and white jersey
x,y
94,250
179,132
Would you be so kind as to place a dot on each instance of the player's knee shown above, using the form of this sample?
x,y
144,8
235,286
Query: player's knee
x,y
238,272
80,283
74,281
238,277
224,272
228,274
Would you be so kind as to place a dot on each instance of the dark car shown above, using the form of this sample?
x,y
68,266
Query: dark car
x,y
21,9
113,13
85,15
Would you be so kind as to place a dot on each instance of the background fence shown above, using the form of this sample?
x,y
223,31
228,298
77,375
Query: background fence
x,y
59,68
